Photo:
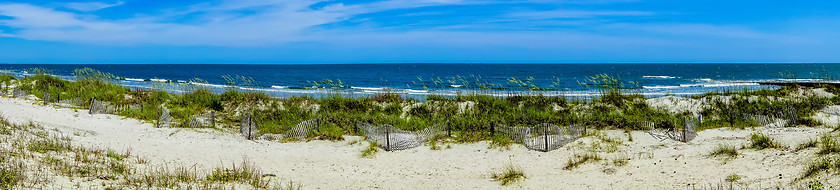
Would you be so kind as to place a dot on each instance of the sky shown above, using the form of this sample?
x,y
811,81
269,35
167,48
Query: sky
x,y
419,31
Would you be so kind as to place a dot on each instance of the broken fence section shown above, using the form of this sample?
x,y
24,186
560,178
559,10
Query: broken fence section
x,y
18,93
75,102
203,120
542,137
684,131
102,107
391,138
787,117
301,130
248,128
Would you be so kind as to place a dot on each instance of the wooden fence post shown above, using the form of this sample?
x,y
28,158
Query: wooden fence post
x,y
387,138
317,125
213,118
685,125
448,129
545,137
90,109
251,127
492,129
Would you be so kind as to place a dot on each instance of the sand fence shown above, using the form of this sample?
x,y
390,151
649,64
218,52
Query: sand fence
x,y
784,118
248,129
18,93
164,120
102,107
685,129
391,138
542,137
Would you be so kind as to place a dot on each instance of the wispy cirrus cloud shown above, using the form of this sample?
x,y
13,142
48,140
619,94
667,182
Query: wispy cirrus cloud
x,y
556,14
91,6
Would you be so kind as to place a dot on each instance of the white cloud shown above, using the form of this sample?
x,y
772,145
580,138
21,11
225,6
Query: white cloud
x,y
574,14
91,6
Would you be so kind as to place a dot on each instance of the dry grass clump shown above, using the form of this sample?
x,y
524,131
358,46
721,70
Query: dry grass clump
x,y
810,144
509,174
820,165
578,160
725,150
244,173
829,145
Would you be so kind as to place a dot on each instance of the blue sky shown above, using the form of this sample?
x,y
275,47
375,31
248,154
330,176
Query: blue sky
x,y
374,31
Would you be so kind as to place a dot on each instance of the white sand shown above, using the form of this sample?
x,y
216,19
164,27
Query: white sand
x,y
653,164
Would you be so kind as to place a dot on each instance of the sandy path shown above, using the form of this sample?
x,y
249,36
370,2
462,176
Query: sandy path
x,y
337,165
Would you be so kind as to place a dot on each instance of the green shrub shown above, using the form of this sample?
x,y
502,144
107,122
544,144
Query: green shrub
x,y
761,141
386,97
202,98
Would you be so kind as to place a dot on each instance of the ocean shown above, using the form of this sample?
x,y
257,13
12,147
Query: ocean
x,y
418,80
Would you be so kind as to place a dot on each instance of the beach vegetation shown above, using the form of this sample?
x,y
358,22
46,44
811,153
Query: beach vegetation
x,y
509,175
811,143
725,150
580,159
370,152
470,116
761,141
6,78
245,173
733,178
10,174
829,145
501,142
819,165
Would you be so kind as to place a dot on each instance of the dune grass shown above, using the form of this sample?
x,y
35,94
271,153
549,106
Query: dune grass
x,y
761,141
820,165
370,152
812,143
829,145
509,175
725,150
580,159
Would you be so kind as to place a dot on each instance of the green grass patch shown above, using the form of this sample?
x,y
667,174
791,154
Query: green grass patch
x,y
48,145
820,165
370,152
760,142
829,145
509,174
810,144
10,176
725,150
578,160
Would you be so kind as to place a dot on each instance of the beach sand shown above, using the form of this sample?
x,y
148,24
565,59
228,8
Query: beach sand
x,y
651,163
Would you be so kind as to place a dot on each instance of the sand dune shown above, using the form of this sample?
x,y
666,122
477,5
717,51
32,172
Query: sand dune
x,y
651,164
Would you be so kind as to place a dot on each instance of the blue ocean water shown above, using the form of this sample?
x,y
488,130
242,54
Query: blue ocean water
x,y
421,79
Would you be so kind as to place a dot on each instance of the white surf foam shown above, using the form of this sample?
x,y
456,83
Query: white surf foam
x,y
660,77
